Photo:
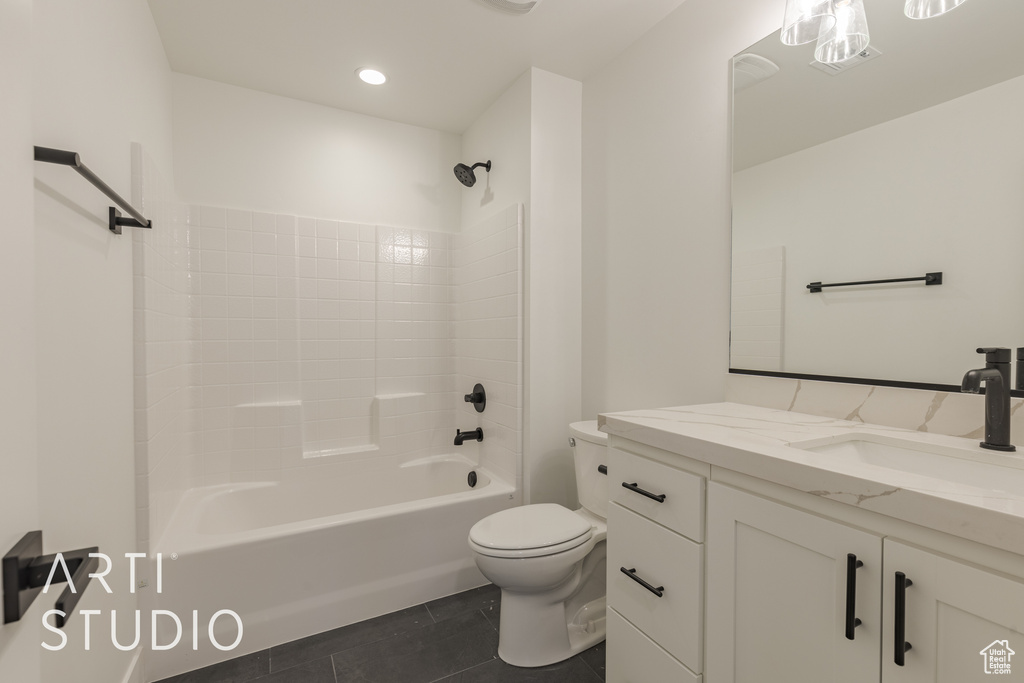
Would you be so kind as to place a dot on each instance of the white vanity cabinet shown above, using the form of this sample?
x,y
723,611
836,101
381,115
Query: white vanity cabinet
x,y
778,563
778,603
777,594
953,612
655,571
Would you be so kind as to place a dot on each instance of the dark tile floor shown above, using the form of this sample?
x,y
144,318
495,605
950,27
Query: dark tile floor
x,y
451,640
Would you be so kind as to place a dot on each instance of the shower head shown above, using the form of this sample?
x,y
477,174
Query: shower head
x,y
465,173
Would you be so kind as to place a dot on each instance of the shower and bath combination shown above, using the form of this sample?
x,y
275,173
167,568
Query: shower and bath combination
x,y
466,175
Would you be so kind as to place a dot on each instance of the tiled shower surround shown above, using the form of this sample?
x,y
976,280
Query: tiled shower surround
x,y
268,343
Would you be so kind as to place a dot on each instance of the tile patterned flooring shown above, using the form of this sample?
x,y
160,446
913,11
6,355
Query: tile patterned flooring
x,y
450,640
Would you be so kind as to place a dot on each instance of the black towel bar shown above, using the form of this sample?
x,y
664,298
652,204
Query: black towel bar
x,y
928,278
65,158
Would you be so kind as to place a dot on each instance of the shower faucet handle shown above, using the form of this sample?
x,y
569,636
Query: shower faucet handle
x,y
478,398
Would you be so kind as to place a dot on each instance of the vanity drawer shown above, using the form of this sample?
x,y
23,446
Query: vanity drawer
x,y
635,658
682,508
664,560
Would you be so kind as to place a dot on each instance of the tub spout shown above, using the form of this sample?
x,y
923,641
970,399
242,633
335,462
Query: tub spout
x,y
460,436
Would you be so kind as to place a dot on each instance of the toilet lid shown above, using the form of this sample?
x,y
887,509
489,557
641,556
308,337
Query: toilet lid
x,y
531,526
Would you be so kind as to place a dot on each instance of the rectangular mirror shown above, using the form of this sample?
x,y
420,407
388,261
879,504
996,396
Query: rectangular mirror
x,y
905,160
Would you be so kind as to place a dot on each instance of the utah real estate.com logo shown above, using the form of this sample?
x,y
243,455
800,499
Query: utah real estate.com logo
x,y
997,657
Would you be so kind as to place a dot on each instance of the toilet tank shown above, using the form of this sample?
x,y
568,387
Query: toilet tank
x,y
590,452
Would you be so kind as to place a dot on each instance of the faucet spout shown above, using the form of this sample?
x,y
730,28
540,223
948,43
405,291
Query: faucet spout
x,y
996,377
461,436
974,378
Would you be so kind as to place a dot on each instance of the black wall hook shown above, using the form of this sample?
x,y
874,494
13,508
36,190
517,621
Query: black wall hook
x,y
26,569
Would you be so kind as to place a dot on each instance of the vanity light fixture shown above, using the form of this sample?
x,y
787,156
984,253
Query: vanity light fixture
x,y
848,38
841,26
926,9
805,20
371,76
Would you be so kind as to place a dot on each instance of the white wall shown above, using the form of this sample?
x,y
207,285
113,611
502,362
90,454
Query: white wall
x,y
19,512
245,149
553,297
656,209
100,81
501,135
532,135
917,194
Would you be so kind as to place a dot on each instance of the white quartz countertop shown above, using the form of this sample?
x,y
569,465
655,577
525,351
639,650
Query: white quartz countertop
x,y
755,441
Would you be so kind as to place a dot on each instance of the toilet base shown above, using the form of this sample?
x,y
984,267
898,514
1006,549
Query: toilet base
x,y
533,635
552,606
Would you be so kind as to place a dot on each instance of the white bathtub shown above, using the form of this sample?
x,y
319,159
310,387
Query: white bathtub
x,y
321,550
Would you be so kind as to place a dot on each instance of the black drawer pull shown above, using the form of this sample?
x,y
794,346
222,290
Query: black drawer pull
x,y
900,646
631,573
852,622
636,489
603,469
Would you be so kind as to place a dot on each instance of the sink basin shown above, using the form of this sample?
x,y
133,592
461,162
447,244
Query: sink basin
x,y
966,466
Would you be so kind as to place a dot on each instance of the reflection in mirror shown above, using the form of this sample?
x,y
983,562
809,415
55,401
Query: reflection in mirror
x,y
905,160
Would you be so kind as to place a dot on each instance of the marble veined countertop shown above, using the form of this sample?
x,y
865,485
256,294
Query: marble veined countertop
x,y
969,491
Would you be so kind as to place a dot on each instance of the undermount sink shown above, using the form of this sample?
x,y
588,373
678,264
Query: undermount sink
x,y
966,465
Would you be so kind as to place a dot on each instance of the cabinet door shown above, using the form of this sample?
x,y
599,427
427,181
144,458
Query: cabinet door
x,y
777,594
962,622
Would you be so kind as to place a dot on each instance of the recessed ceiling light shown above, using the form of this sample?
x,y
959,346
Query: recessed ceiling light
x,y
371,76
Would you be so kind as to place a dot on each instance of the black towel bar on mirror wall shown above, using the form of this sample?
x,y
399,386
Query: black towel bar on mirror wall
x,y
65,158
928,278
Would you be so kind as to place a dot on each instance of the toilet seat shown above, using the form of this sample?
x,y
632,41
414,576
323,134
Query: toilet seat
x,y
530,531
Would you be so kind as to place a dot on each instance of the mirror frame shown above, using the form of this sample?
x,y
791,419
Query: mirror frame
x,y
923,386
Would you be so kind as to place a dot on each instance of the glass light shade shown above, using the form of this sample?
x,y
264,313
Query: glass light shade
x,y
926,9
805,20
848,38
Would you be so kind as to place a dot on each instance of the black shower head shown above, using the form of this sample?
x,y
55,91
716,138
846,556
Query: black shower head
x,y
465,173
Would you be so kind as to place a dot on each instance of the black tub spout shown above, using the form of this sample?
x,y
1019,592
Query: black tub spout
x,y
460,436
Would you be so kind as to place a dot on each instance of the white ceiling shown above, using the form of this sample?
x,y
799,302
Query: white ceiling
x,y
447,60
923,63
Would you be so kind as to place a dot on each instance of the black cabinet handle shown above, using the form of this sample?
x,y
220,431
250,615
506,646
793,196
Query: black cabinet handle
x,y
852,622
900,646
636,489
631,573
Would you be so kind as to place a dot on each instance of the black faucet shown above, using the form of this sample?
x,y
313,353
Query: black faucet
x,y
1020,369
461,436
996,375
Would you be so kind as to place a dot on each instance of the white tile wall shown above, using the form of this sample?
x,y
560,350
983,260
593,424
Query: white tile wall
x,y
758,305
287,367
269,342
164,333
415,350
489,337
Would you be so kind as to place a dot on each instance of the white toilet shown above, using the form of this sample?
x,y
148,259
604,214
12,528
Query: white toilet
x,y
549,562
